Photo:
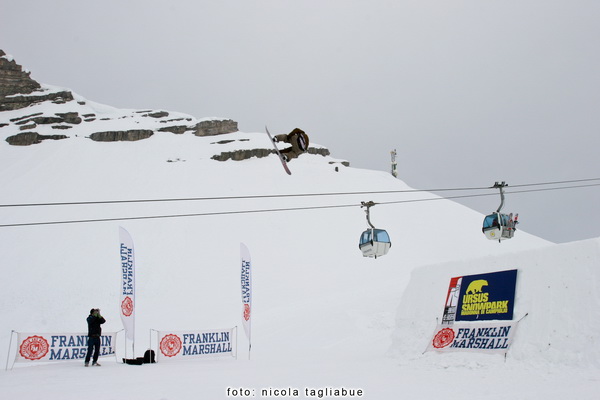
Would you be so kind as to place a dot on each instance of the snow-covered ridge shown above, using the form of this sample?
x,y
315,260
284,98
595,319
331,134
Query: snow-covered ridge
x,y
58,116
31,113
58,113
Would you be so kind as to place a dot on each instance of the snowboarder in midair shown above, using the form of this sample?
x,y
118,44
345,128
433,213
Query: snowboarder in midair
x,y
299,141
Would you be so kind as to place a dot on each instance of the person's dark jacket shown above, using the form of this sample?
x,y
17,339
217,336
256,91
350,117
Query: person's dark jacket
x,y
299,141
94,328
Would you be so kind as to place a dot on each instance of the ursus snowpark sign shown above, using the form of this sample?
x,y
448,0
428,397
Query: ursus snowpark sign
x,y
477,300
481,297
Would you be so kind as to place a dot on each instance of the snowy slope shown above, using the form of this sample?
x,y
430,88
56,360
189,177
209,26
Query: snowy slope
x,y
323,314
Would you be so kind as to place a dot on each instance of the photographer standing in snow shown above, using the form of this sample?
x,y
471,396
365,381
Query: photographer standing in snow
x,y
94,332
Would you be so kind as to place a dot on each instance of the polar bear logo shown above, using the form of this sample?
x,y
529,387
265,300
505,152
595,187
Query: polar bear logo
x,y
476,286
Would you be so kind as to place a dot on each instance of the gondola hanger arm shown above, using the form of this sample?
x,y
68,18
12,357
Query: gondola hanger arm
x,y
368,205
501,187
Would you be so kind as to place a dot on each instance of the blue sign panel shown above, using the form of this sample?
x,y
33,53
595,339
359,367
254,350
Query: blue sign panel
x,y
486,296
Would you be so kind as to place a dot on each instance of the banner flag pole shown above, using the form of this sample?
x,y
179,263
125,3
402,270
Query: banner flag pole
x,y
246,283
236,342
117,341
12,333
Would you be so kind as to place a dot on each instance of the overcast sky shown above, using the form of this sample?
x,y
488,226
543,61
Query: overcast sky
x,y
468,92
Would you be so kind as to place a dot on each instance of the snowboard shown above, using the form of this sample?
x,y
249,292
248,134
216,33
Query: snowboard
x,y
283,162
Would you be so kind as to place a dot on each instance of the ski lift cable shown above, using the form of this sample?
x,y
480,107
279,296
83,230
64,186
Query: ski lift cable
x,y
266,196
556,182
103,202
487,194
177,215
277,209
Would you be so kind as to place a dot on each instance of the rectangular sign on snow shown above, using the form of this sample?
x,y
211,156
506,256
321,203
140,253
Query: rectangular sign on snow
x,y
182,345
476,337
40,347
481,297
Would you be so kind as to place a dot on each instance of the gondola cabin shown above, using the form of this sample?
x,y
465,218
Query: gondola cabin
x,y
497,226
374,243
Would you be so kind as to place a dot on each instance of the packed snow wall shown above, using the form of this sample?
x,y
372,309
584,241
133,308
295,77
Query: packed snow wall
x,y
557,300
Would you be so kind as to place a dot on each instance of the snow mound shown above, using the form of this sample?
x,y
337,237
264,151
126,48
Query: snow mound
x,y
557,297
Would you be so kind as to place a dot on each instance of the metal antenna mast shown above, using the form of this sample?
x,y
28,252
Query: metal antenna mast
x,y
394,163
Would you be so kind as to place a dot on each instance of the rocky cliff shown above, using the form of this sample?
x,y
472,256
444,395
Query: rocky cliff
x,y
18,90
13,80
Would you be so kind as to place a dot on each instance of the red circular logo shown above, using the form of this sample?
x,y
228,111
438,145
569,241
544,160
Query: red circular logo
x,y
34,348
127,306
170,345
247,312
443,338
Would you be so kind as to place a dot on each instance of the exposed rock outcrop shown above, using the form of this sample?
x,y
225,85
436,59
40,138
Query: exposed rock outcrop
x,y
177,129
122,136
216,127
204,128
239,155
21,101
39,119
29,138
